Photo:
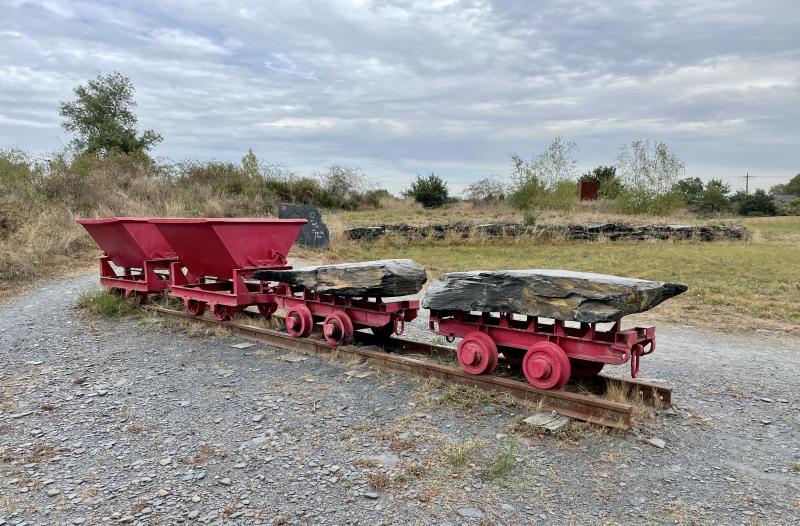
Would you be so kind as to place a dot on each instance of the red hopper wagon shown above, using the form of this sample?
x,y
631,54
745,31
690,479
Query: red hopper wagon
x,y
137,248
220,256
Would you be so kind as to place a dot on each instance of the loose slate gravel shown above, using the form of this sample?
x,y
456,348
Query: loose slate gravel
x,y
124,422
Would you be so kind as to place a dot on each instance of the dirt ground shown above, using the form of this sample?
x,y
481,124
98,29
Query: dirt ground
x,y
135,422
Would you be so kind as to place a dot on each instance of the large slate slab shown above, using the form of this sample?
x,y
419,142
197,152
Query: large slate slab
x,y
382,278
314,234
559,294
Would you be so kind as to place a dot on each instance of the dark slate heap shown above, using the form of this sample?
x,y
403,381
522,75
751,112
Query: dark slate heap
x,y
383,278
559,294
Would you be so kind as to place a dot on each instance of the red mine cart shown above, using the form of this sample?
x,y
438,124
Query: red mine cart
x,y
220,256
548,353
137,248
340,316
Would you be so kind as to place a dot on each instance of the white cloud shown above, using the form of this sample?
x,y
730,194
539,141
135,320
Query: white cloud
x,y
404,87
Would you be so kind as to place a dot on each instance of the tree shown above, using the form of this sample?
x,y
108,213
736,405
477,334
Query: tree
x,y
791,188
485,190
102,118
648,172
757,204
714,197
548,179
349,183
250,163
689,189
429,191
608,184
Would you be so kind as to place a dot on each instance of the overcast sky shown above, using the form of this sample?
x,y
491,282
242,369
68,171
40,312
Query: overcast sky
x,y
403,87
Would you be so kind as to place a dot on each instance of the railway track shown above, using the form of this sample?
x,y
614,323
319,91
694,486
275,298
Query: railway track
x,y
584,402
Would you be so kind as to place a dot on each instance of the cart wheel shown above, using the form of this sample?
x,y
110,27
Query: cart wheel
x,y
383,332
546,366
585,368
195,307
222,312
338,329
477,353
299,322
267,309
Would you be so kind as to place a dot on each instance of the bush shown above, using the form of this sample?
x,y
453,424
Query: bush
x,y
757,204
633,201
430,191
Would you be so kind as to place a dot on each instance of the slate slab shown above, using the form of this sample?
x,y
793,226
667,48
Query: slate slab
x,y
314,234
381,278
558,294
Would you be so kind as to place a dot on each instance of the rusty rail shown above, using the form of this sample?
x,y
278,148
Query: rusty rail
x,y
397,354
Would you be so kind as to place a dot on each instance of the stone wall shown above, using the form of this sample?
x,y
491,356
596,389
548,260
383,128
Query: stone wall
x,y
588,232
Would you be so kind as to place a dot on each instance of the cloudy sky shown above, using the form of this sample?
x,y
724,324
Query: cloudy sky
x,y
402,87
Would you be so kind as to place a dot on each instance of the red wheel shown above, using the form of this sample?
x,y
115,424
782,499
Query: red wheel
x,y
267,309
477,353
222,312
338,329
299,322
195,307
585,368
546,366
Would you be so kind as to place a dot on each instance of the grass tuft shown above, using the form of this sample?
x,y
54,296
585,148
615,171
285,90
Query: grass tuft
x,y
98,302
458,455
502,465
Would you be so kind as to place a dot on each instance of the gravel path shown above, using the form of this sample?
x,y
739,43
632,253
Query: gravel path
x,y
135,422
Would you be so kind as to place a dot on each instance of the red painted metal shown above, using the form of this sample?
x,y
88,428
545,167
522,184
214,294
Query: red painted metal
x,y
546,366
217,246
137,249
477,353
220,255
337,329
578,344
383,318
589,190
299,321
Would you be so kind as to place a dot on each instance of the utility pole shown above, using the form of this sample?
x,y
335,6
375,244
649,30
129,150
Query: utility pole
x,y
747,183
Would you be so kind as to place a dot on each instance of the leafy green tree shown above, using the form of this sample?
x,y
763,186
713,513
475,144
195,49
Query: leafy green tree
x,y
690,189
714,197
102,118
757,204
429,191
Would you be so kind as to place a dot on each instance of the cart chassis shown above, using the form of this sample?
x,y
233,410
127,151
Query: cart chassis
x,y
142,281
585,342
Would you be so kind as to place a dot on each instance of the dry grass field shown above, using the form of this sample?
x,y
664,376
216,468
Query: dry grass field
x,y
732,285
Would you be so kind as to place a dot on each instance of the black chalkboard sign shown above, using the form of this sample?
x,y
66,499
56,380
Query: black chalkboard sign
x,y
314,234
